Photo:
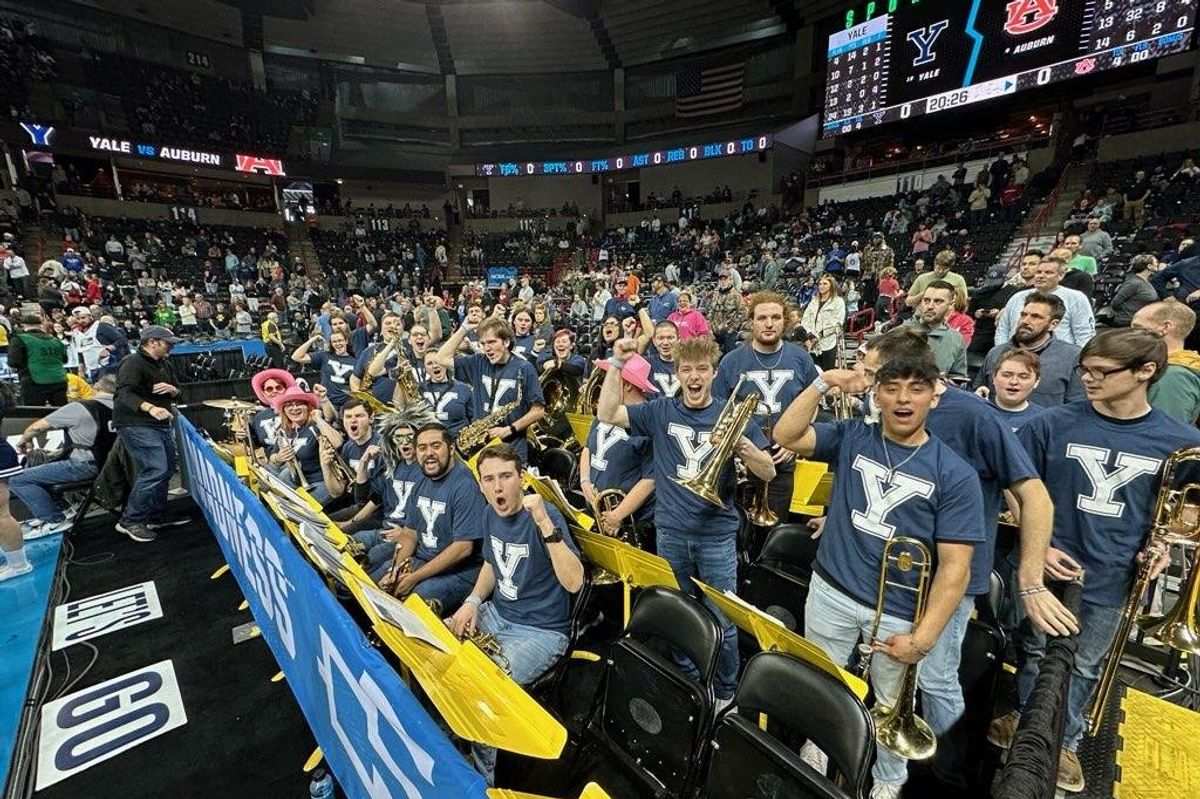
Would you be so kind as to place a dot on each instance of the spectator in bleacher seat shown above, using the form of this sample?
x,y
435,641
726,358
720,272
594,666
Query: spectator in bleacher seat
x,y
662,301
1040,315
1177,392
689,321
38,357
876,257
1135,292
619,305
1137,192
825,318
942,270
725,314
99,345
1078,325
949,350
89,438
960,321
18,275
978,203
835,259
1095,242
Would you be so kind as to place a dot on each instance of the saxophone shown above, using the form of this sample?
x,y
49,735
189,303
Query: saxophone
x,y
474,436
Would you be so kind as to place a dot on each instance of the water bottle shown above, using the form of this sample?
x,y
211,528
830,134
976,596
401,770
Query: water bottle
x,y
321,786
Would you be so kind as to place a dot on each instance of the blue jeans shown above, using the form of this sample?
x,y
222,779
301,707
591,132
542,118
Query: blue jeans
x,y
379,552
448,588
1097,626
152,450
834,621
530,652
714,562
942,702
30,485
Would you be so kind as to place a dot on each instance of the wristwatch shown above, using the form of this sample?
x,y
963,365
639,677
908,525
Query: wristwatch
x,y
554,537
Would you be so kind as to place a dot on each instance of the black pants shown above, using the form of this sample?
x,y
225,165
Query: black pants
x,y
827,359
53,394
275,355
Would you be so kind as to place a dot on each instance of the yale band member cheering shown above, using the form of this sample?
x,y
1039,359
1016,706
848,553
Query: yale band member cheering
x,y
297,458
662,358
697,537
450,399
778,370
360,436
530,568
335,366
497,378
890,479
267,385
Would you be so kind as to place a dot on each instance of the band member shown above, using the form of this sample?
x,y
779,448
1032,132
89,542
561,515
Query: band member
x,y
562,356
386,475
614,459
696,537
419,340
979,436
267,385
778,370
356,421
450,399
892,478
335,366
442,526
1102,460
662,358
497,378
359,338
390,329
1014,379
297,455
470,342
524,343
530,568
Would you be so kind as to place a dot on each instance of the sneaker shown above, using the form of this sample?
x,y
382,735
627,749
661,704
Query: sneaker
x,y
811,754
886,790
30,526
176,522
137,531
721,704
1070,772
8,572
1002,730
48,528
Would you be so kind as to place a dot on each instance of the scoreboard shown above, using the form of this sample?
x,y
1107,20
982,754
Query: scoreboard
x,y
616,163
913,57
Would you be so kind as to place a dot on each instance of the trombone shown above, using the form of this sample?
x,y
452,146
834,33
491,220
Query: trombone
x,y
843,403
897,728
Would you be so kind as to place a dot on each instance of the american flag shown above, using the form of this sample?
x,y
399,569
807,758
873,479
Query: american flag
x,y
712,90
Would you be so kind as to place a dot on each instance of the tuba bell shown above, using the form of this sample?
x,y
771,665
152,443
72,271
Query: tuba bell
x,y
589,395
728,430
561,393
608,500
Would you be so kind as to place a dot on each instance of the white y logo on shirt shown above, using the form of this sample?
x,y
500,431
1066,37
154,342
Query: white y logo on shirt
x,y
1105,483
401,488
667,382
770,382
884,496
440,404
430,511
339,372
508,557
506,384
693,455
606,436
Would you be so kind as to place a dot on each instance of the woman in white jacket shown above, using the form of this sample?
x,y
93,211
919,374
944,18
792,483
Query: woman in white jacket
x,y
824,319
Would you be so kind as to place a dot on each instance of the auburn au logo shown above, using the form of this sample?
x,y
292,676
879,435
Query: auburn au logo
x,y
1026,16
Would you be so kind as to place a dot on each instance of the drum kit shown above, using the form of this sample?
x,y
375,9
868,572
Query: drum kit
x,y
235,415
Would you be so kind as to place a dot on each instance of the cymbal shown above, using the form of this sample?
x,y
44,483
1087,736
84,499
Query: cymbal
x,y
231,404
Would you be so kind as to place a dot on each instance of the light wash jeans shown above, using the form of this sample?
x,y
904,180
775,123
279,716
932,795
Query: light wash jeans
x,y
530,652
834,621
30,486
1097,626
942,702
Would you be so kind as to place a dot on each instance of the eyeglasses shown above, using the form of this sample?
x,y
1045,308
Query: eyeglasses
x,y
273,389
1098,375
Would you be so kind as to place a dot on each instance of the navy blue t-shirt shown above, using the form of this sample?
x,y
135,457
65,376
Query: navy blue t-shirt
x,y
662,374
451,403
778,377
522,346
933,497
307,448
619,460
366,356
360,339
527,589
497,384
394,490
352,451
1017,419
975,432
574,360
335,374
447,510
1103,475
679,438
263,427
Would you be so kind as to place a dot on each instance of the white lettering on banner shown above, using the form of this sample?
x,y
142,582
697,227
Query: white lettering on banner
x,y
693,455
1105,483
102,721
770,382
258,557
508,557
884,496
507,384
104,613
189,156
374,765
606,436
430,512
402,488
440,404
111,145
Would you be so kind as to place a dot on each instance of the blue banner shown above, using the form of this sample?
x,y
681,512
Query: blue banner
x,y
499,275
376,737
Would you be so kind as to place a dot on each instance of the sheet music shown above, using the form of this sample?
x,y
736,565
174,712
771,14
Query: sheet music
x,y
299,514
737,600
394,612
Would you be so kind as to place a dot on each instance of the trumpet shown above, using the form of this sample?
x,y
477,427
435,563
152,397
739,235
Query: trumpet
x,y
490,645
897,728
759,511
608,500
339,466
294,462
725,434
843,403
1176,522
400,567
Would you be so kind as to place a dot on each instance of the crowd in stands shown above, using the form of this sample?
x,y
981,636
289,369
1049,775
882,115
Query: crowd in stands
x,y
150,189
518,210
24,59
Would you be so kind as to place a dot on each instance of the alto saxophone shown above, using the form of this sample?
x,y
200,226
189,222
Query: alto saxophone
x,y
474,436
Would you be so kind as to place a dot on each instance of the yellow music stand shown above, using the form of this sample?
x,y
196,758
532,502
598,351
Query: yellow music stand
x,y
635,568
581,425
590,791
812,488
475,697
1159,755
550,491
772,636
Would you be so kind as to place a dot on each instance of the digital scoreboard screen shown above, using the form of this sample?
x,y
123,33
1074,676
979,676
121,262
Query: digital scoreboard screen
x,y
902,58
617,163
